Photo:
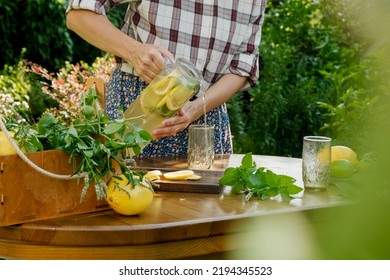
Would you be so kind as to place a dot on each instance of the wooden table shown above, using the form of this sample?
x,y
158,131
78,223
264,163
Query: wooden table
x,y
177,225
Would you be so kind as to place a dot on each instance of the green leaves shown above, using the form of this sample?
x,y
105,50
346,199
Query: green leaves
x,y
113,128
93,141
259,182
241,176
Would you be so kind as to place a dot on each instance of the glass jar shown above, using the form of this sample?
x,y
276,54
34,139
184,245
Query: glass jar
x,y
165,95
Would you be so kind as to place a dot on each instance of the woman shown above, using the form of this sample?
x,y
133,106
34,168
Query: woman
x,y
220,39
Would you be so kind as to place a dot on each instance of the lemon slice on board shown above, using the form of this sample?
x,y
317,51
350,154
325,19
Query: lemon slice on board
x,y
153,175
194,178
179,175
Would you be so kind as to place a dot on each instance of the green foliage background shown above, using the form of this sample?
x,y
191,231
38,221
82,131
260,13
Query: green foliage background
x,y
39,26
313,72
316,71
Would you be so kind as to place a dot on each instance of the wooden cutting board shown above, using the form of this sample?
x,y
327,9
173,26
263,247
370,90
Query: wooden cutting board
x,y
209,182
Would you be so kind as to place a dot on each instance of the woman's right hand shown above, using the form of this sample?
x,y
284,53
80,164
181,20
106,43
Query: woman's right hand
x,y
148,60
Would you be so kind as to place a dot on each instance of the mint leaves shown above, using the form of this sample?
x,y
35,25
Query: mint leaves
x,y
258,182
94,143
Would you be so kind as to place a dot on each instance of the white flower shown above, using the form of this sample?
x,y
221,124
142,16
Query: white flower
x,y
10,107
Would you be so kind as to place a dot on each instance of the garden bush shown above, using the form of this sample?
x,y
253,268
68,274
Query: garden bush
x,y
14,89
316,72
308,58
39,26
27,90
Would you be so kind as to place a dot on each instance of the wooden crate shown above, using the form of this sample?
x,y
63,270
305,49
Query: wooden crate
x,y
27,195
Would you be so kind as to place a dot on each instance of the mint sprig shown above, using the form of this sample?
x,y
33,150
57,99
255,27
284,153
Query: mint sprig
x,y
259,182
94,143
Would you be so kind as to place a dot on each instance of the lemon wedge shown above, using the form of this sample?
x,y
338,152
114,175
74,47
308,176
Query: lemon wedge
x,y
179,175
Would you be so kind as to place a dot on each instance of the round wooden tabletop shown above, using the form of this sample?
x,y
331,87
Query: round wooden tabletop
x,y
176,225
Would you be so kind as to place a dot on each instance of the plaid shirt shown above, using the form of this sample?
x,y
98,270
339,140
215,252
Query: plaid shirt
x,y
217,36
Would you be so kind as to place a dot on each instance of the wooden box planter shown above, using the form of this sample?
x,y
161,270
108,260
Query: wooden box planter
x,y
28,195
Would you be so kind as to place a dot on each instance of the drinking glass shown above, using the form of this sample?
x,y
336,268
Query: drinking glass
x,y
200,153
316,160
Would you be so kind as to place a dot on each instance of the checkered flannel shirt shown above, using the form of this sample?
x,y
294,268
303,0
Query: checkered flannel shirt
x,y
217,36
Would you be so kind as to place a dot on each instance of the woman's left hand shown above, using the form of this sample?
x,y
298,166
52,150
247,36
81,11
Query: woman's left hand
x,y
216,95
177,123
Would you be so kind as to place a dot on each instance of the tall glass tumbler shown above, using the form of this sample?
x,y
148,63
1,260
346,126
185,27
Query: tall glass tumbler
x,y
316,160
200,153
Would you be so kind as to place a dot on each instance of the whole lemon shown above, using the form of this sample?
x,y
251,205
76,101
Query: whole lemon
x,y
341,168
126,198
343,152
5,146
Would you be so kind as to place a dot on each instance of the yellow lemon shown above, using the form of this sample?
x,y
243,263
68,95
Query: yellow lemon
x,y
5,146
179,175
324,156
343,152
127,199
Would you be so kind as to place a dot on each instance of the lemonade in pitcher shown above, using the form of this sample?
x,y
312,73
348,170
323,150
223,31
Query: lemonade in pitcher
x,y
165,95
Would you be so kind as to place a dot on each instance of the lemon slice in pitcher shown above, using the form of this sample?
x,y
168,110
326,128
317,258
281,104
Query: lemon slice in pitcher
x,y
154,95
178,96
165,85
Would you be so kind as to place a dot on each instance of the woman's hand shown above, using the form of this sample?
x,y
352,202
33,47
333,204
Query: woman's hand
x,y
175,124
148,60
216,95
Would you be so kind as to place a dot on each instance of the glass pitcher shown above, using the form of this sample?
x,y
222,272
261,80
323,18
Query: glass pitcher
x,y
165,95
